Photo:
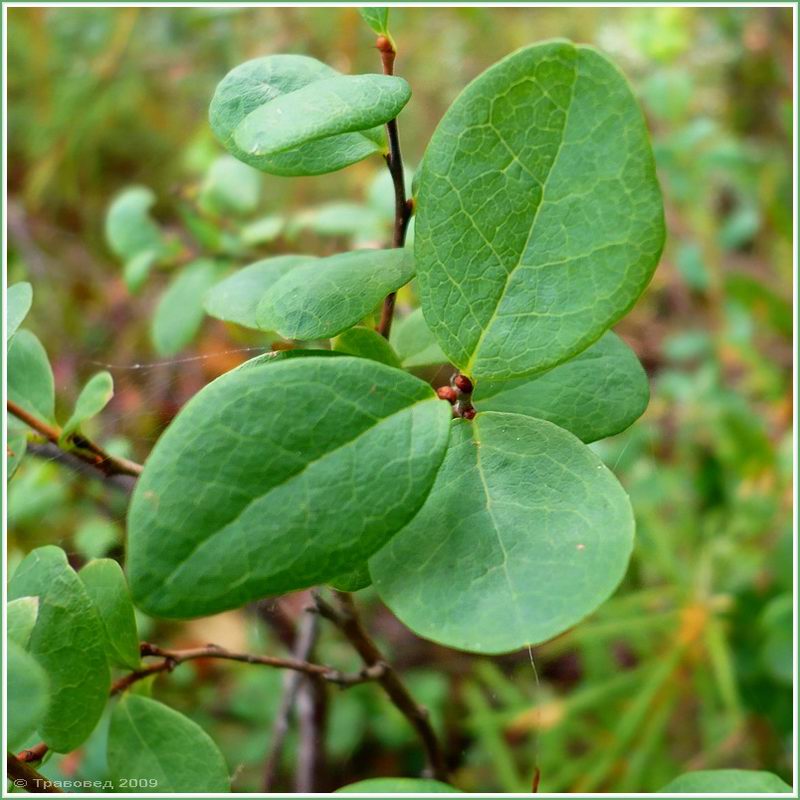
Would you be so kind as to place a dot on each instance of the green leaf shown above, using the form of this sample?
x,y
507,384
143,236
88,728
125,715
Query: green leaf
x,y
19,299
94,397
280,476
524,533
723,781
30,379
16,446
366,343
137,269
414,343
262,80
21,615
598,393
28,695
376,18
539,217
321,110
325,297
358,222
69,642
149,740
354,580
95,537
130,230
398,786
230,187
106,586
263,230
236,298
179,312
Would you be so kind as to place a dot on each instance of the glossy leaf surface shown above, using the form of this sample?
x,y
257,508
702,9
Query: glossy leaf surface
x,y
539,217
524,533
277,476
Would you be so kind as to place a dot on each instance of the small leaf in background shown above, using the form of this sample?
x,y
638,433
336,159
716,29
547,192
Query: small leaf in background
x,y
414,343
777,648
317,440
321,110
230,187
152,741
380,193
263,80
137,269
725,781
21,617
689,260
353,581
361,224
30,379
16,446
95,537
365,343
236,298
376,18
108,590
18,298
549,223
398,786
327,296
179,312
524,533
94,397
599,393
263,231
28,695
130,230
67,623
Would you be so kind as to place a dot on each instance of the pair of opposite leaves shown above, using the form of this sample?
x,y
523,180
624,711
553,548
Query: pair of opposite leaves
x,y
539,224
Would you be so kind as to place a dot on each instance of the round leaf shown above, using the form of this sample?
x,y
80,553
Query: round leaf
x,y
724,781
230,187
149,740
325,297
236,298
596,394
69,642
130,230
330,107
539,217
277,477
524,533
262,80
397,786
30,379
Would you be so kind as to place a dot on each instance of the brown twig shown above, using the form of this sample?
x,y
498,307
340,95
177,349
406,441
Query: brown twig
x,y
84,449
346,619
402,206
24,776
50,452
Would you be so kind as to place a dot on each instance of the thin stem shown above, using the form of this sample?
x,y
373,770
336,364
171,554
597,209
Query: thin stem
x,y
50,452
346,619
24,776
85,449
402,206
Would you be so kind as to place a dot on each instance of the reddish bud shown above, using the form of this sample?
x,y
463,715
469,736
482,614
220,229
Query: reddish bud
x,y
463,384
383,44
447,393
468,413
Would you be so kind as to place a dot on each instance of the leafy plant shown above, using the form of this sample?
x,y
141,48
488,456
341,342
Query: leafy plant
x,y
476,510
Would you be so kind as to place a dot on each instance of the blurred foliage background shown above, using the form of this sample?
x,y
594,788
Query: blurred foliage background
x,y
689,665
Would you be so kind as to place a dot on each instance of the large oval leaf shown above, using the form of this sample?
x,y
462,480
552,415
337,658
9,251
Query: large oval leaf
x,y
236,298
280,476
330,295
69,642
151,741
596,394
724,781
262,80
539,213
330,107
524,533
